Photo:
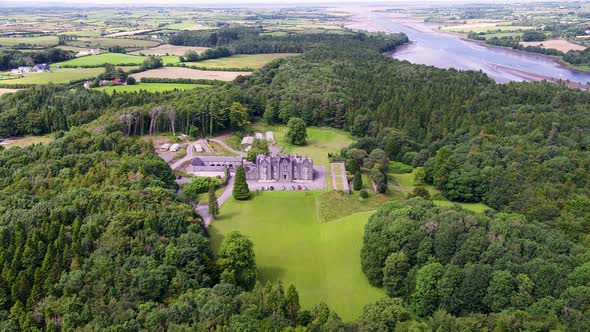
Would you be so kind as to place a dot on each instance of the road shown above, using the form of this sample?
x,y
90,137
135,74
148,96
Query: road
x,y
190,153
203,209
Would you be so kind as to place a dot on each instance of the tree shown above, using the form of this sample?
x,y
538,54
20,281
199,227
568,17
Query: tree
x,y
131,80
259,146
236,261
238,116
425,297
151,62
241,191
419,175
394,273
378,158
213,205
292,302
420,192
500,291
297,132
357,182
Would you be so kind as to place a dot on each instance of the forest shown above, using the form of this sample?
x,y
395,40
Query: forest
x,y
99,197
10,59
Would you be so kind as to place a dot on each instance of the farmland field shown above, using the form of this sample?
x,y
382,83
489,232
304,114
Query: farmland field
x,y
253,61
103,42
558,44
102,59
42,41
170,50
151,87
179,72
64,75
321,259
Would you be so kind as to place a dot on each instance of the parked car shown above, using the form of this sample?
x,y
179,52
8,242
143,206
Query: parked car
x,y
271,188
299,187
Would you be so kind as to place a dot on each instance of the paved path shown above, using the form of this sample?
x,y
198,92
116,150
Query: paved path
x,y
203,208
333,174
227,147
341,177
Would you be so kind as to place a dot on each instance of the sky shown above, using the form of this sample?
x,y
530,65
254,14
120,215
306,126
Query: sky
x,y
230,2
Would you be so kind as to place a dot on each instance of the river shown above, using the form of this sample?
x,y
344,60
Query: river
x,y
429,46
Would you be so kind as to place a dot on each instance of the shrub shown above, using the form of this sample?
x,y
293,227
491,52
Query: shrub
x,y
198,186
364,194
357,182
397,167
420,192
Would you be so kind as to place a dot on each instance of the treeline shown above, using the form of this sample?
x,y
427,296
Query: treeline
x,y
578,57
514,43
211,53
11,59
447,260
46,109
242,40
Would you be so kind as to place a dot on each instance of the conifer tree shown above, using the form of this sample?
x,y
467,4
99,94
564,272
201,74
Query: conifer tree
x,y
357,182
241,191
213,205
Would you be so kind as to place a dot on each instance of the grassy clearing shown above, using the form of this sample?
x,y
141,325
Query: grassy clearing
x,y
3,91
101,60
321,259
151,87
204,197
64,75
103,42
333,205
167,49
320,141
406,182
253,61
26,141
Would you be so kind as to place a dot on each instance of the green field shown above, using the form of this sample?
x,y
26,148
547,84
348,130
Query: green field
x,y
321,259
42,41
102,59
253,61
64,75
103,42
151,87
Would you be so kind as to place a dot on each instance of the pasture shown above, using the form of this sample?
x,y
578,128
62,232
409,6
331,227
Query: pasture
x,y
103,42
41,41
151,87
58,76
101,60
167,49
179,72
321,259
558,44
253,61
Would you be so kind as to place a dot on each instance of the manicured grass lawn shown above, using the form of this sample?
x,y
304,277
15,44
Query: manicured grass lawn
x,y
241,61
320,141
151,87
64,75
102,59
333,205
321,259
170,59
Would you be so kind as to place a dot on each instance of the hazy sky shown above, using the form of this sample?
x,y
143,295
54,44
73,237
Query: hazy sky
x,y
236,2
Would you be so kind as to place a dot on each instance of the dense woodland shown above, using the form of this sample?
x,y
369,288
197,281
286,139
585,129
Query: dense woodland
x,y
10,59
92,200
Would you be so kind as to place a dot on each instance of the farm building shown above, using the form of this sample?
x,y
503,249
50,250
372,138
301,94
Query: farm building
x,y
247,140
270,136
212,166
41,67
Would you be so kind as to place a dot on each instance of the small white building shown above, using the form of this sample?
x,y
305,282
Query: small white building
x,y
270,136
165,147
259,136
175,148
247,140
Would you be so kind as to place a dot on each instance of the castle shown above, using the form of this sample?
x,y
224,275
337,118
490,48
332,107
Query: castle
x,y
280,167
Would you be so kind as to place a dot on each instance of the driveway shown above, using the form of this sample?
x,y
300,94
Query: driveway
x,y
203,208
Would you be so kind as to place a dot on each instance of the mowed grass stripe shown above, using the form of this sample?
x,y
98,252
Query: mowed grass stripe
x,y
321,259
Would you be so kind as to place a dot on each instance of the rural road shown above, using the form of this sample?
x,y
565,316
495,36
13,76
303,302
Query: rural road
x,y
227,147
203,209
190,153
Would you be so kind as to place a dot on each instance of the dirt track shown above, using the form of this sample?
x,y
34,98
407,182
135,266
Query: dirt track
x,y
179,72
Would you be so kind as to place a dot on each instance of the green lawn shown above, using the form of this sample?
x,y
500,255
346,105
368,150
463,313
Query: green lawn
x,y
321,259
152,87
254,61
102,59
64,75
320,141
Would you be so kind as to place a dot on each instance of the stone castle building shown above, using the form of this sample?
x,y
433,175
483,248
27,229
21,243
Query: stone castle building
x,y
280,167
